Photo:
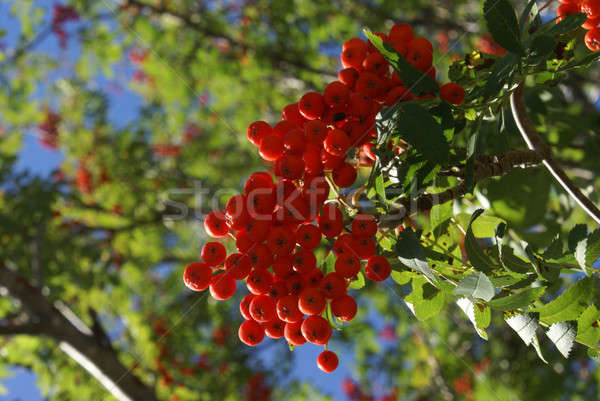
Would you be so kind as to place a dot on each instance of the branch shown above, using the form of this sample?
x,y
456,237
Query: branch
x,y
485,167
34,329
536,143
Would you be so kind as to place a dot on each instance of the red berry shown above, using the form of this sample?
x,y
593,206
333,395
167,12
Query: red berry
x,y
257,131
281,240
262,308
311,105
213,253
278,289
348,77
592,39
316,190
245,306
398,94
312,301
314,277
308,236
402,32
376,64
344,308
304,261
355,42
260,256
222,286
243,243
236,212
337,95
251,333
289,166
337,142
353,56
347,265
294,141
238,266
344,244
215,224
291,112
364,225
378,268
330,221
282,266
364,246
275,328
316,330
259,180
369,84
333,285
197,276
293,333
283,127
295,283
420,53
257,229
287,309
327,361
452,93
344,175
591,8
315,131
271,147
259,281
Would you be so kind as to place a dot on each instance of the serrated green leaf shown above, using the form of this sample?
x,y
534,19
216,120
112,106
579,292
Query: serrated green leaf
x,y
467,306
410,252
529,11
588,328
478,259
582,62
578,233
570,304
562,334
416,81
519,300
541,46
476,285
401,277
502,23
524,325
483,315
359,282
569,23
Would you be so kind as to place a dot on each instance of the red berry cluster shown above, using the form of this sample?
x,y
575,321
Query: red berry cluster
x,y
162,150
278,224
592,9
60,15
48,130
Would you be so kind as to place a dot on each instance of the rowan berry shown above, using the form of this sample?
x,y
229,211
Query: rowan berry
x,y
274,329
238,266
312,160
251,333
591,8
327,361
262,308
215,224
293,333
283,127
378,268
316,330
197,276
311,301
259,281
369,84
364,225
591,23
333,285
281,240
344,175
376,64
308,236
311,105
287,309
271,147
330,161
592,39
348,77
236,212
397,94
258,180
243,243
344,308
343,245
295,283
355,42
257,229
294,142
304,261
260,256
278,289
222,286
347,265
353,56
364,246
402,32
337,142
257,131
291,112
316,190
336,95
245,306
213,253
314,277
452,93
360,104
290,167
330,221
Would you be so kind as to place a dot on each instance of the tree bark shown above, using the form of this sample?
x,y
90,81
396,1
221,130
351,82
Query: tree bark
x,y
74,338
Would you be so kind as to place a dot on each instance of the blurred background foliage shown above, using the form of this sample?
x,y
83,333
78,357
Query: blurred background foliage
x,y
147,102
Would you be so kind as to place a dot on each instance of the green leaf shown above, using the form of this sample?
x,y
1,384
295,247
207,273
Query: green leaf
x,y
426,301
541,46
380,189
476,285
582,62
403,277
439,214
568,24
502,24
329,263
483,315
475,254
483,226
529,12
410,252
536,345
524,325
562,334
468,307
592,251
413,121
416,81
519,300
359,282
570,304
588,328
578,233
499,77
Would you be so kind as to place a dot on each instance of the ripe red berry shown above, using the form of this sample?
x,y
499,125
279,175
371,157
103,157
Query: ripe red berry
x,y
369,84
222,286
592,39
308,236
344,175
378,268
376,64
337,95
333,286
398,94
236,212
364,246
452,93
238,266
294,141
282,266
262,308
258,229
257,131
330,221
316,330
245,306
289,166
312,301
337,142
258,181
355,42
344,245
251,333
314,277
311,105
327,361
283,127
316,190
304,261
295,283
315,131
402,32
344,308
364,225
260,256
215,224
287,309
197,276
347,265
591,8
278,289
259,281
291,112
271,147
348,77
281,240
293,333
274,329
420,53
213,253
353,56
243,243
